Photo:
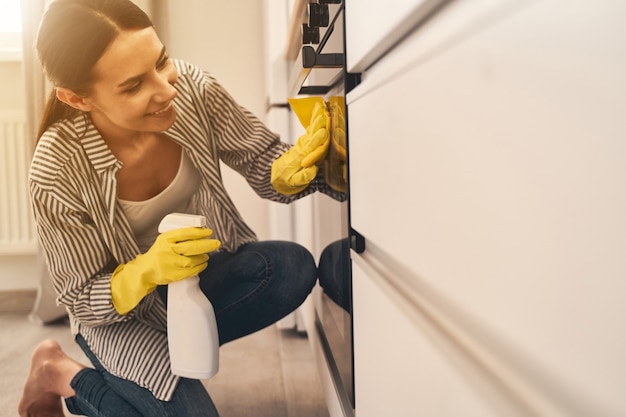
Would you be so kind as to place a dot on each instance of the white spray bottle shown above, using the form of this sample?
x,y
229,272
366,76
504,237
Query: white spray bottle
x,y
191,325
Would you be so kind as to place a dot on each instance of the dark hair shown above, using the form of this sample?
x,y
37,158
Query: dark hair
x,y
73,35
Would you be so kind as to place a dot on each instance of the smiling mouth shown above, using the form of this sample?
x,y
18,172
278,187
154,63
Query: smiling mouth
x,y
162,111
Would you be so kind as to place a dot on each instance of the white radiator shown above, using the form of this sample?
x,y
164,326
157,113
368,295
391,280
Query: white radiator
x,y
17,229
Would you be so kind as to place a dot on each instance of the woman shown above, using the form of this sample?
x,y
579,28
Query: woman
x,y
129,136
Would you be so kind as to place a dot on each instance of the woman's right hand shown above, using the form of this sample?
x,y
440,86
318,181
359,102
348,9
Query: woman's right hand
x,y
175,255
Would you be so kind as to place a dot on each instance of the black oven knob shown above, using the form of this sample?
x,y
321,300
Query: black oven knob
x,y
319,15
310,35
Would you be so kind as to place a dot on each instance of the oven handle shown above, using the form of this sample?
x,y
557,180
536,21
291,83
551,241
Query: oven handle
x,y
307,60
311,59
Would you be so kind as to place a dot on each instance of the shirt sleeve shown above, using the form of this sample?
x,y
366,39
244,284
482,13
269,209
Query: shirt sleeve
x,y
79,263
246,144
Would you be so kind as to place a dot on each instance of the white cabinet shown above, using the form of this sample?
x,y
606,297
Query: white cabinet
x,y
487,166
404,367
373,27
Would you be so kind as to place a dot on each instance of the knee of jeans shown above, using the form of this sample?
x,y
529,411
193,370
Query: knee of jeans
x,y
289,265
303,266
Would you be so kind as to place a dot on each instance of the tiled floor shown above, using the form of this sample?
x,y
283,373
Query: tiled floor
x,y
269,373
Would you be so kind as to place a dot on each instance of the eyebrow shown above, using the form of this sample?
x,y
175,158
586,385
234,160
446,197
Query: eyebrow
x,y
136,78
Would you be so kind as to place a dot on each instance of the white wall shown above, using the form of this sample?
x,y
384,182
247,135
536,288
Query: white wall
x,y
16,271
12,85
225,38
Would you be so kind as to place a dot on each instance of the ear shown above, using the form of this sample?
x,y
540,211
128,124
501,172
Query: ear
x,y
72,99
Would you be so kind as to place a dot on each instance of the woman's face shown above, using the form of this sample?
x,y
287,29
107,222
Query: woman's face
x,y
133,89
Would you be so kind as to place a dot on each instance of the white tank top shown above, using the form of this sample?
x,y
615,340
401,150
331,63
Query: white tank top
x,y
144,216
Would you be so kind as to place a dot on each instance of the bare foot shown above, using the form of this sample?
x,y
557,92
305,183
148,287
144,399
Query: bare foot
x,y
48,381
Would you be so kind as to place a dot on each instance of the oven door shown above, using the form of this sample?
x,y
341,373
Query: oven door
x,y
319,69
333,301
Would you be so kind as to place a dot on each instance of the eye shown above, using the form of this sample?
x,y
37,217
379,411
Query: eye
x,y
159,66
163,62
134,88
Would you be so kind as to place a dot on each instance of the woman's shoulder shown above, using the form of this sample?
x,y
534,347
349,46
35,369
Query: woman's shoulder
x,y
60,138
58,147
191,76
189,71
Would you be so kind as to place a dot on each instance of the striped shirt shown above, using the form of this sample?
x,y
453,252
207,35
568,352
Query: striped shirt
x,y
85,233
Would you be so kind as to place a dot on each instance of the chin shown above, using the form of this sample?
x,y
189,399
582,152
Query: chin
x,y
164,124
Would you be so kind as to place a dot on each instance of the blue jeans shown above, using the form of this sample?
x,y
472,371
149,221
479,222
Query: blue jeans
x,y
250,289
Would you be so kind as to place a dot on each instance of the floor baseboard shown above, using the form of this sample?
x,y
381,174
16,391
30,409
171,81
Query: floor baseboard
x,y
17,301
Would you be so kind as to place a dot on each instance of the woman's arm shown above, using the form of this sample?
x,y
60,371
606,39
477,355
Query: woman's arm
x,y
248,146
79,262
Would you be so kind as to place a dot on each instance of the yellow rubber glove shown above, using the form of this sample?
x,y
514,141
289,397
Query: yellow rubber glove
x,y
174,255
335,168
295,169
338,137
338,127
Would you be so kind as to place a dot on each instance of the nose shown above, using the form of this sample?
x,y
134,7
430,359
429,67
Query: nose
x,y
165,90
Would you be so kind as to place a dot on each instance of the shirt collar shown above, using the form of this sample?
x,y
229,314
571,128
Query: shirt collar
x,y
93,143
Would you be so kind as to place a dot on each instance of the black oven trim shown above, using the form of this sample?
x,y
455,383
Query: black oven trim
x,y
346,400
331,57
